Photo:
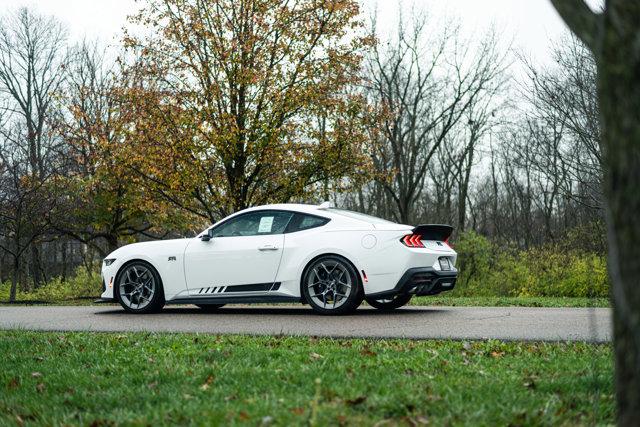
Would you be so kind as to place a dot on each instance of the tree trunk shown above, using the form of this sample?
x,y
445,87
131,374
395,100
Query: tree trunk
x,y
63,251
14,279
36,266
613,37
112,243
619,92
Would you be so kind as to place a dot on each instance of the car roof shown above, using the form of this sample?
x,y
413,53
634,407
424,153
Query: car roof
x,y
298,207
327,210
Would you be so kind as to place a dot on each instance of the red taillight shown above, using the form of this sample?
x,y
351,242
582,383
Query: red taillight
x,y
448,243
412,241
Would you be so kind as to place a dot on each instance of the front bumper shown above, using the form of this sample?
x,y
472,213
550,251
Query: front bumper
x,y
421,281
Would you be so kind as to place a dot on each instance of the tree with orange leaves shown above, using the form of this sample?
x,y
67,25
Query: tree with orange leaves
x,y
242,103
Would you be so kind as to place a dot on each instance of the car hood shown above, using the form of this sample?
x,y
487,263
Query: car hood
x,y
174,245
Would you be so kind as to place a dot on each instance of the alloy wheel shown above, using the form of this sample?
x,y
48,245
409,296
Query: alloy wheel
x,y
329,284
137,287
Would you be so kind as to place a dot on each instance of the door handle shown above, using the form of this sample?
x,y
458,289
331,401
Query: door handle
x,y
268,248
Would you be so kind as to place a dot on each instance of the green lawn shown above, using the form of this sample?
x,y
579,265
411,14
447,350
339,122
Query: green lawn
x,y
155,379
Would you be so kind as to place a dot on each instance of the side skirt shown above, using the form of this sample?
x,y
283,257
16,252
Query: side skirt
x,y
236,300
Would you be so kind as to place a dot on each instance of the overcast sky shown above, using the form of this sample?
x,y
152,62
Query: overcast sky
x,y
528,24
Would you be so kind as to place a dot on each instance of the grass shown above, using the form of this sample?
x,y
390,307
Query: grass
x,y
160,379
447,300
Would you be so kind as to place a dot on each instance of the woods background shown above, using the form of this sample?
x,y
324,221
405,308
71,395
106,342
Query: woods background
x,y
209,107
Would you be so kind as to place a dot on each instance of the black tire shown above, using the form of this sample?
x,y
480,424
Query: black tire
x,y
391,304
155,302
339,275
209,308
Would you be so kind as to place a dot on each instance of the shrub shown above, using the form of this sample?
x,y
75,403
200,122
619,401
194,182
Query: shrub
x,y
488,269
82,284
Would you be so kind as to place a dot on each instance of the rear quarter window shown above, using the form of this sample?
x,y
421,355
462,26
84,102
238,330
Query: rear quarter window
x,y
301,222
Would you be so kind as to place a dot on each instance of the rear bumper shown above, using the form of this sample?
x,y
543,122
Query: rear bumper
x,y
421,281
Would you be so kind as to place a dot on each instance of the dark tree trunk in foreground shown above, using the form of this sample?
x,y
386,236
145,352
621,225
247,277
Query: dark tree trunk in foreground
x,y
613,36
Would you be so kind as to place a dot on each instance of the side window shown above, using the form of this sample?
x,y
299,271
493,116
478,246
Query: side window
x,y
254,224
304,222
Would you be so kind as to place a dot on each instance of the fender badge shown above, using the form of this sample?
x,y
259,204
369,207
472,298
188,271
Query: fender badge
x,y
172,258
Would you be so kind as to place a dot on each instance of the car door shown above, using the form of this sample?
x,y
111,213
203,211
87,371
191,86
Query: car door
x,y
243,252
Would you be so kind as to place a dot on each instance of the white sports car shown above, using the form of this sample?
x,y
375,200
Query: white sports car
x,y
329,258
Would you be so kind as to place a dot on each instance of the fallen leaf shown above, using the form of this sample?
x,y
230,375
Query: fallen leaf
x,y
422,419
358,400
298,411
529,384
367,352
315,356
267,420
229,398
243,416
14,382
497,354
19,420
153,384
207,383
36,374
40,387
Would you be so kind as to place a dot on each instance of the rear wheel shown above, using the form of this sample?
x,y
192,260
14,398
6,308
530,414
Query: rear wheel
x,y
209,308
139,288
331,286
389,304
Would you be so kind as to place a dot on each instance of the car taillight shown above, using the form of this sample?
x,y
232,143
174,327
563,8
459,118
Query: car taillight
x,y
448,243
412,241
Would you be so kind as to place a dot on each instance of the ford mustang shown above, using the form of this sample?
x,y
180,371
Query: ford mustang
x,y
328,258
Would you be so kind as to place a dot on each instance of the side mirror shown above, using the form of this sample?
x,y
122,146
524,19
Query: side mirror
x,y
205,237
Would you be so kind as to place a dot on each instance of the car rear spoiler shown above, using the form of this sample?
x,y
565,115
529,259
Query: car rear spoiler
x,y
439,232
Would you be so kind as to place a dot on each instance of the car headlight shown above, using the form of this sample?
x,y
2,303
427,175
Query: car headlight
x,y
108,261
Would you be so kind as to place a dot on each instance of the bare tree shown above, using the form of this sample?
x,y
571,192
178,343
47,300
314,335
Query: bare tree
x,y
425,88
32,69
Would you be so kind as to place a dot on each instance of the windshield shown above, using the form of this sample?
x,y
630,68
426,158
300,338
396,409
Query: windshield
x,y
360,216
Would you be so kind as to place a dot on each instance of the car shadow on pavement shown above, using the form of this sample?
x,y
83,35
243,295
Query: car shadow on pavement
x,y
285,310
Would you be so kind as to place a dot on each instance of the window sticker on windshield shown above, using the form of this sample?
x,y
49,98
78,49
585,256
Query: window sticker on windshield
x,y
266,222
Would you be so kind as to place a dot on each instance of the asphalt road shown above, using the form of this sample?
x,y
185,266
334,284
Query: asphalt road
x,y
505,323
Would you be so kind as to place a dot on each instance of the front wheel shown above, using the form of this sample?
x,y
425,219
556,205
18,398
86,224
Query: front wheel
x,y
139,288
389,304
331,286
